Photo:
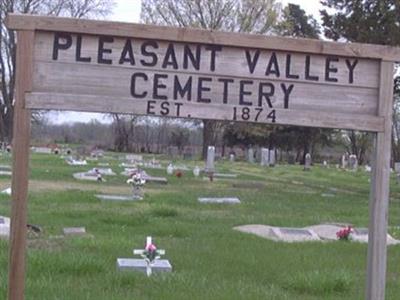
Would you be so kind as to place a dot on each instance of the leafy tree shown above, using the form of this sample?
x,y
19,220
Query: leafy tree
x,y
296,23
367,21
256,16
70,8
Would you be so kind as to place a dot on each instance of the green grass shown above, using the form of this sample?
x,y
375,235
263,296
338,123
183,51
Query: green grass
x,y
210,260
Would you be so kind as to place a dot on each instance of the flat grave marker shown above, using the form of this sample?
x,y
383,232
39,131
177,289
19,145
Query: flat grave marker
x,y
222,200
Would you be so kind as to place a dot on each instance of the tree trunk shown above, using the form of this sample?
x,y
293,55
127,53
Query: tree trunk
x,y
210,128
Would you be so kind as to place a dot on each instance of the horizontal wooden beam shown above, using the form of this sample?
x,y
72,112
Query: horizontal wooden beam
x,y
190,35
150,107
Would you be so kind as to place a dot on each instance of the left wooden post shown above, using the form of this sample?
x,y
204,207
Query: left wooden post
x,y
20,149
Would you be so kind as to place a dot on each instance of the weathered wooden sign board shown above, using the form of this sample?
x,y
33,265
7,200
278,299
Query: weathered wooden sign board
x,y
82,65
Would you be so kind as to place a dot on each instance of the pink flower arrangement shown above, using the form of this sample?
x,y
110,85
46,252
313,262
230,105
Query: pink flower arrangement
x,y
151,252
344,234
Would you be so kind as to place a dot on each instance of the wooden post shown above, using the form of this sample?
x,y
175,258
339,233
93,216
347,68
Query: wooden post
x,y
379,199
21,140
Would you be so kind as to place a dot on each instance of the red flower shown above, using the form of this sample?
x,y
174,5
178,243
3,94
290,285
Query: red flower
x,y
178,174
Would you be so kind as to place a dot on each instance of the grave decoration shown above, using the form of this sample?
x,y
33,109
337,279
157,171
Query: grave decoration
x,y
179,173
150,254
137,181
345,233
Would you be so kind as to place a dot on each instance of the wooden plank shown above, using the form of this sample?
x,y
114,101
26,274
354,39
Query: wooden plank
x,y
111,104
229,61
30,22
102,81
21,138
379,199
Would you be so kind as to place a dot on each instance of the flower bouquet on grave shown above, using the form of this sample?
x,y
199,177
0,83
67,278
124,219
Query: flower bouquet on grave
x,y
137,181
344,234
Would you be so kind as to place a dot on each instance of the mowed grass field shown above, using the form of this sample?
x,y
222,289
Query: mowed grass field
x,y
210,260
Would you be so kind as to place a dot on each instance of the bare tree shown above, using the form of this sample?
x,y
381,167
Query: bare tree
x,y
256,16
68,8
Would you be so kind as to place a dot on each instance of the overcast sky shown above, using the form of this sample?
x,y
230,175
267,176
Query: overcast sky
x,y
129,11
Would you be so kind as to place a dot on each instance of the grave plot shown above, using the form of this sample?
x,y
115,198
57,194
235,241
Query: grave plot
x,y
321,232
150,262
280,233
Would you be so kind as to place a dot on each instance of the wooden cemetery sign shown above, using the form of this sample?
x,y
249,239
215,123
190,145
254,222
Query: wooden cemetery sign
x,y
83,65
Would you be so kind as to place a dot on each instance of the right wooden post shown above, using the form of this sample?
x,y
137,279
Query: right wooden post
x,y
379,198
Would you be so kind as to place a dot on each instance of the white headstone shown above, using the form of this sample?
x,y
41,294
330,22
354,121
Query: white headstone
x,y
353,162
210,159
397,167
272,159
74,231
264,157
170,169
344,161
232,157
250,154
196,171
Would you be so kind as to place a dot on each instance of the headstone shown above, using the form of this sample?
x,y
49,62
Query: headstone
x,y
196,171
73,231
225,175
228,200
134,264
6,191
344,161
117,198
353,162
325,164
170,169
150,262
272,160
397,167
264,157
231,157
291,159
250,155
4,227
307,162
210,159
369,169
134,157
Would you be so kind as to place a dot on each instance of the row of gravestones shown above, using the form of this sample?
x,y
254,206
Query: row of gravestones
x,y
267,157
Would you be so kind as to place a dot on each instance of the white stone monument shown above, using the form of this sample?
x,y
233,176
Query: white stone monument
x,y
264,157
307,162
210,168
250,155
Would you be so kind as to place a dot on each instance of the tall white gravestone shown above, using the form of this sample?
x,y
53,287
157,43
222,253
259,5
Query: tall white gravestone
x,y
210,159
250,155
353,162
265,157
272,159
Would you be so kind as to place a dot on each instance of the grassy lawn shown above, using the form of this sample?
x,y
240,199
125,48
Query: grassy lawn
x,y
210,260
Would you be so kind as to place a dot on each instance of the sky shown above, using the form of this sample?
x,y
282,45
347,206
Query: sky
x,y
129,11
